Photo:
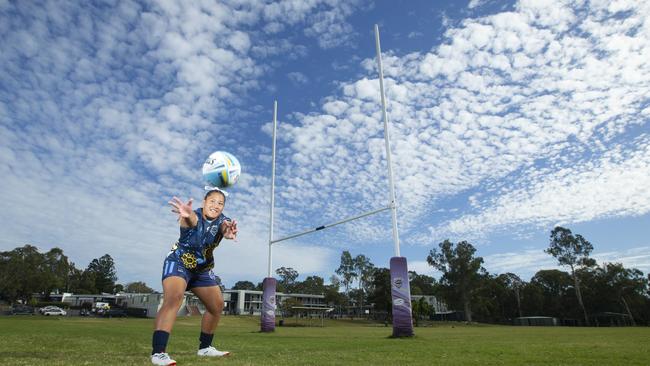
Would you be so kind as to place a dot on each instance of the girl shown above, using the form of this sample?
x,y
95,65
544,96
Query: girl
x,y
188,266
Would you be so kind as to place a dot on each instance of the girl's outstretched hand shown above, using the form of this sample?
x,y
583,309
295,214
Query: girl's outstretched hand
x,y
229,229
183,210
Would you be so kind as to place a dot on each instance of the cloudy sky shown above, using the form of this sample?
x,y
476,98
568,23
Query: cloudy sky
x,y
506,119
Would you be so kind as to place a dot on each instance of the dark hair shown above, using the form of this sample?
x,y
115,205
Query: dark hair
x,y
215,191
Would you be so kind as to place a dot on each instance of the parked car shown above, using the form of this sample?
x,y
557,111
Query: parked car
x,y
55,312
48,308
115,313
22,310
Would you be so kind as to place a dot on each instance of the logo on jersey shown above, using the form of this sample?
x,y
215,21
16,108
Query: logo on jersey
x,y
214,230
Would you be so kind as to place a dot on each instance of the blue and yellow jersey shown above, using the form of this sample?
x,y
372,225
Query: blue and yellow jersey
x,y
195,244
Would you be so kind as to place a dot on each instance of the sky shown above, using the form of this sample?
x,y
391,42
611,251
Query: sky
x,y
507,118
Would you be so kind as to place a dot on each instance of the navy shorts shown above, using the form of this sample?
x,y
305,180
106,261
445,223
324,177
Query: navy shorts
x,y
207,278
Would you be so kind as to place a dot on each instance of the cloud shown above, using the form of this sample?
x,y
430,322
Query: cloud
x,y
524,263
630,258
521,106
527,262
532,115
107,110
613,186
298,77
423,268
476,3
329,27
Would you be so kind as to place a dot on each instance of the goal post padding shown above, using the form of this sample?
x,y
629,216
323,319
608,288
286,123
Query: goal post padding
x,y
268,304
401,298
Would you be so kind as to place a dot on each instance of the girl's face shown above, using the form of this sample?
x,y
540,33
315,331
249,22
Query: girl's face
x,y
213,205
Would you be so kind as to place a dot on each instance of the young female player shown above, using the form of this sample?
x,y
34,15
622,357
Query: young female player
x,y
189,267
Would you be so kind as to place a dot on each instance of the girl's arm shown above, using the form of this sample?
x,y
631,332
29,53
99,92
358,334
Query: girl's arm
x,y
186,216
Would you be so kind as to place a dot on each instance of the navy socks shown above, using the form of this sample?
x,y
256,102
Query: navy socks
x,y
206,340
159,341
160,338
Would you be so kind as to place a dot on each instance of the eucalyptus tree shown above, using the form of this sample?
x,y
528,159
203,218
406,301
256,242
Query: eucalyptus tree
x,y
462,271
514,283
346,270
622,286
572,251
288,277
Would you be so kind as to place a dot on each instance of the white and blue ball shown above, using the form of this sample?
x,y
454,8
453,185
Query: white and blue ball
x,y
221,169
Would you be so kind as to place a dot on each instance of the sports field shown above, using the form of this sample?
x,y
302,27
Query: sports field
x,y
37,340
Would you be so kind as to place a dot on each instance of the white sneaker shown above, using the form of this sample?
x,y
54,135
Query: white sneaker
x,y
162,359
212,352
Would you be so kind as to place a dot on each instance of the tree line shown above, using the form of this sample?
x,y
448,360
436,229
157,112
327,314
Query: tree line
x,y
25,271
584,289
574,296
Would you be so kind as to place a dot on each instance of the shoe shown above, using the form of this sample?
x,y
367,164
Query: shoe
x,y
212,352
162,359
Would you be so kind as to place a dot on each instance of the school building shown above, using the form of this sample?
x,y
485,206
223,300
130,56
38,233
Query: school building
x,y
237,302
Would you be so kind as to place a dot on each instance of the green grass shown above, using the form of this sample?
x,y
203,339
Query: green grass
x,y
26,340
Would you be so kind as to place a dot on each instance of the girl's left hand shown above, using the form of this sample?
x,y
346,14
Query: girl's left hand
x,y
229,229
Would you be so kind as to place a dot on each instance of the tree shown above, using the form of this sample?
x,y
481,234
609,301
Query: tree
x,y
138,287
244,285
572,251
421,284
491,300
363,271
288,276
57,268
548,294
332,295
103,269
287,307
461,271
380,290
346,270
514,283
335,282
420,309
314,285
22,273
80,282
72,278
619,287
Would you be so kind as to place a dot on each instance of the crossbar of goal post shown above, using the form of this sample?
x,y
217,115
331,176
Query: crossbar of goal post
x,y
332,224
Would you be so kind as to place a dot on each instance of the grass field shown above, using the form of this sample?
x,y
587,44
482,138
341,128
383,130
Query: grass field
x,y
37,340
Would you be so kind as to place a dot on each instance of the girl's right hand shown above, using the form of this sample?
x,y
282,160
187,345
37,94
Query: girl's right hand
x,y
183,210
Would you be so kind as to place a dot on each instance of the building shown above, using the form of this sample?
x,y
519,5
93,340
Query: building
x,y
536,321
438,306
249,302
236,302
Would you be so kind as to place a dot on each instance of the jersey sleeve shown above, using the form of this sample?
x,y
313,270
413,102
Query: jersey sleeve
x,y
223,218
